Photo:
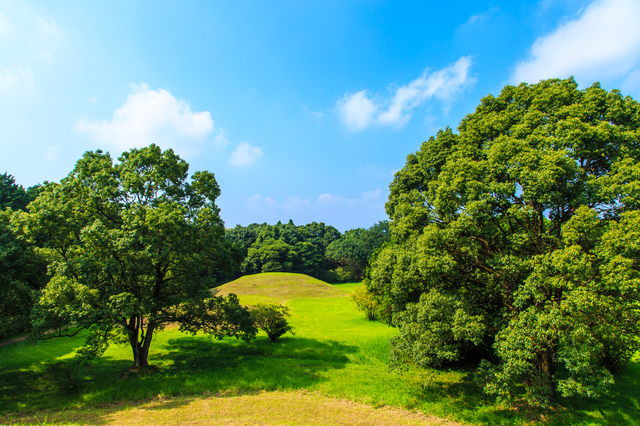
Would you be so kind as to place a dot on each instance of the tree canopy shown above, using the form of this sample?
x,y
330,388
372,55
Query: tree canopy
x,y
354,249
14,196
133,246
23,273
517,239
284,247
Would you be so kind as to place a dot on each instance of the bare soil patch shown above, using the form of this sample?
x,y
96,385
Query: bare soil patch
x,y
263,408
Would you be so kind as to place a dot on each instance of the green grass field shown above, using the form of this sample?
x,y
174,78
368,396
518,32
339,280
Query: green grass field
x,y
335,352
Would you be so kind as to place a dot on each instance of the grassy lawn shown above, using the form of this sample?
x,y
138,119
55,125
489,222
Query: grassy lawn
x,y
335,352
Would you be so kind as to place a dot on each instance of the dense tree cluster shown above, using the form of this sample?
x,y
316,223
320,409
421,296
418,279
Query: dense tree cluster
x,y
22,270
518,239
314,249
351,253
14,196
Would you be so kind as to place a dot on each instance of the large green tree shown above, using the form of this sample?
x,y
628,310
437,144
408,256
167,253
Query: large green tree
x,y
134,246
518,239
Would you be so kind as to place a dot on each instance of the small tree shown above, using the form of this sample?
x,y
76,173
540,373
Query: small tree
x,y
272,319
365,302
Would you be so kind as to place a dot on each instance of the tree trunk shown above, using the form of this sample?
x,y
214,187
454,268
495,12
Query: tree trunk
x,y
140,341
547,371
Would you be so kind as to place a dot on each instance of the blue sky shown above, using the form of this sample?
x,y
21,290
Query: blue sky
x,y
303,110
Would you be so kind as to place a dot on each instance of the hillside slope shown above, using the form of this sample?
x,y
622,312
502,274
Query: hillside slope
x,y
280,286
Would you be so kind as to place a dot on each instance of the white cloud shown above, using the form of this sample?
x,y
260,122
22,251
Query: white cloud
x,y
372,195
359,111
5,26
603,42
151,116
220,141
273,208
16,77
484,16
245,155
92,101
330,199
27,34
51,153
336,210
48,30
356,110
257,201
441,84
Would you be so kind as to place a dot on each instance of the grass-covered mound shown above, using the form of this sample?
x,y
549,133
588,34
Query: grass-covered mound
x,y
278,287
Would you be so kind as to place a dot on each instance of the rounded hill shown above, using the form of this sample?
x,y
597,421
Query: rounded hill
x,y
282,286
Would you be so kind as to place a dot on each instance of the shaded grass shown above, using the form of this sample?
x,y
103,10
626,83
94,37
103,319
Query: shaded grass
x,y
335,352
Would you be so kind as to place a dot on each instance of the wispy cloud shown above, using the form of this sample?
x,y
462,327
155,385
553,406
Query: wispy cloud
x,y
52,153
334,209
151,116
360,110
27,40
483,16
245,155
16,77
5,26
602,42
331,199
290,206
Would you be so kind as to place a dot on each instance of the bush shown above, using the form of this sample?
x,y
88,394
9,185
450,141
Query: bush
x,y
365,302
272,319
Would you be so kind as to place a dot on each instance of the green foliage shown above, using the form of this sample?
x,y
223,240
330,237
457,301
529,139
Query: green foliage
x,y
14,196
272,319
519,236
441,325
365,302
132,247
245,236
354,249
286,247
23,274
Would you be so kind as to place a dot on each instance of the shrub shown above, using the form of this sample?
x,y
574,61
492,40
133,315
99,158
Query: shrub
x,y
365,302
272,319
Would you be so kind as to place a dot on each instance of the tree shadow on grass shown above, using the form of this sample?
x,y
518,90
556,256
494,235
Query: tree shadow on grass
x,y
187,366
289,363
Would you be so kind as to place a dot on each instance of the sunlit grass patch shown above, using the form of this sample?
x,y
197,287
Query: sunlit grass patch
x,y
281,286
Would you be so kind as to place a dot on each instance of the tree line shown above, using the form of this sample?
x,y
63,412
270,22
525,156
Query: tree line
x,y
315,249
